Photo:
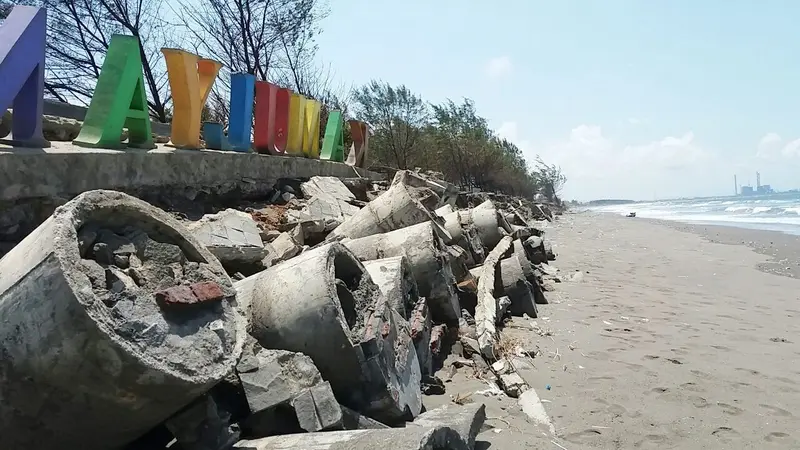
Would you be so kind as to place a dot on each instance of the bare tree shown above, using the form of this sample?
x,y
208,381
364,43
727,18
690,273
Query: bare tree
x,y
397,116
246,35
79,33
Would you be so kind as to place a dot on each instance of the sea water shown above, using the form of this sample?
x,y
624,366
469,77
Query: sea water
x,y
775,212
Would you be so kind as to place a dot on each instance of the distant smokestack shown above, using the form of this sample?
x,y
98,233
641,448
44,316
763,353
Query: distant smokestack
x,y
758,180
735,186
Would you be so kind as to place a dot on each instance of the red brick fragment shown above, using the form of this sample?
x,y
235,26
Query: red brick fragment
x,y
207,291
175,295
437,333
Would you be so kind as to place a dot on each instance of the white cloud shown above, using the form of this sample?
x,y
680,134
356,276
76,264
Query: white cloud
x,y
772,147
499,67
635,121
598,166
510,131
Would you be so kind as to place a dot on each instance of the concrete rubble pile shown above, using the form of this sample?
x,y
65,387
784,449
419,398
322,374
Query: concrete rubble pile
x,y
323,329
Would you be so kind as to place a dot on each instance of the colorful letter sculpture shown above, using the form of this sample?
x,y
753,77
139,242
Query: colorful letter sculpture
x,y
119,100
215,136
270,134
190,80
297,108
22,49
264,128
311,129
241,119
282,103
359,131
333,144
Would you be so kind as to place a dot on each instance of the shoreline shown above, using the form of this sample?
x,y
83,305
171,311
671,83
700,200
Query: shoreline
x,y
782,248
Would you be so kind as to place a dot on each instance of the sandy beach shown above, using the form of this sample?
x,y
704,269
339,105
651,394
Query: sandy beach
x,y
661,335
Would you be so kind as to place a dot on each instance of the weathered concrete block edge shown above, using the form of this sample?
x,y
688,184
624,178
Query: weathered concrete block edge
x,y
65,170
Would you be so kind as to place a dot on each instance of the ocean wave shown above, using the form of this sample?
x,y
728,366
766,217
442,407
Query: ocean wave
x,y
740,210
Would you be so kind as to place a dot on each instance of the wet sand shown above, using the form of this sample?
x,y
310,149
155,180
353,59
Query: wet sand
x,y
664,339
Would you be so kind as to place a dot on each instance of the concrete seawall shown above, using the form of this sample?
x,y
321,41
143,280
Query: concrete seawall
x,y
34,181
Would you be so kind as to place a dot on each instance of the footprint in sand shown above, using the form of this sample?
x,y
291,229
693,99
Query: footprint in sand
x,y
776,436
651,357
674,361
726,434
775,411
701,374
617,410
633,366
659,390
599,379
786,380
692,387
751,372
652,441
721,347
582,437
699,402
598,355
730,409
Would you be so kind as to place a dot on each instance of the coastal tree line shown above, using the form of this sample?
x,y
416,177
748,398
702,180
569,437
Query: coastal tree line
x,y
276,41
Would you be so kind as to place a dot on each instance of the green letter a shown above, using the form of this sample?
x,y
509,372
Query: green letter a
x,y
119,100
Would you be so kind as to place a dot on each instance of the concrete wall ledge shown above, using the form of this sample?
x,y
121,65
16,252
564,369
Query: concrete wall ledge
x,y
65,170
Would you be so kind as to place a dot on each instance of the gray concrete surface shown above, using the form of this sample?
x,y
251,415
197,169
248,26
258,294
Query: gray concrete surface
x,y
82,358
324,304
33,181
66,170
424,249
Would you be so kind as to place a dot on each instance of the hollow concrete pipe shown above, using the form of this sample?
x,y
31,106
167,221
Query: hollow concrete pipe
x,y
400,206
90,360
324,304
423,247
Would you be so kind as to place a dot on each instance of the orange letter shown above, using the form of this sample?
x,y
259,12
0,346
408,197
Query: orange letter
x,y
190,80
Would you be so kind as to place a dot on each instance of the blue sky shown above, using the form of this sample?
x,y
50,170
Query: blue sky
x,y
634,99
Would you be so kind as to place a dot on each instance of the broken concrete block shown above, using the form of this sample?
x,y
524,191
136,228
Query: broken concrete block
x,y
502,306
535,250
324,304
329,201
446,193
282,248
516,286
395,279
105,358
203,426
317,409
466,420
444,210
285,390
486,309
487,224
513,384
232,236
274,377
354,420
420,322
427,257
399,207
409,438
326,186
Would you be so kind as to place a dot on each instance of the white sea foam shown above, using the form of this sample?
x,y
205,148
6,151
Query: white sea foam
x,y
776,212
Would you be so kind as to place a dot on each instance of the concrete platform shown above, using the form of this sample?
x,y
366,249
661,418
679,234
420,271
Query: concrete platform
x,y
33,180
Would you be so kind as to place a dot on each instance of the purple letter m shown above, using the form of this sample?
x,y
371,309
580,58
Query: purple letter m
x,y
22,47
